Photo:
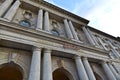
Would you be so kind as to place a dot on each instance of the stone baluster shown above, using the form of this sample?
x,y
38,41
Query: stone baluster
x,y
40,20
67,29
34,73
80,68
47,65
108,71
11,12
73,31
88,69
4,6
46,22
88,36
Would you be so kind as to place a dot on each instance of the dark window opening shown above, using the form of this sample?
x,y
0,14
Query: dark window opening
x,y
25,23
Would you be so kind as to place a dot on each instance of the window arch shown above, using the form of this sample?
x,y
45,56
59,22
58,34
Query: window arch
x,y
62,74
11,71
25,23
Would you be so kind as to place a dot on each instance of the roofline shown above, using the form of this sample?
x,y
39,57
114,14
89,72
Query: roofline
x,y
64,11
103,33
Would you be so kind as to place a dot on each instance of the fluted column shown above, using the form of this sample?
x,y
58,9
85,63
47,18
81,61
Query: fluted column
x,y
4,6
73,31
67,29
40,20
114,71
11,12
80,68
88,69
47,65
108,71
34,73
88,36
46,22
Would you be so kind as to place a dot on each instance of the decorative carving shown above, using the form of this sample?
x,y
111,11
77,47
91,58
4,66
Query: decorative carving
x,y
61,63
27,14
71,46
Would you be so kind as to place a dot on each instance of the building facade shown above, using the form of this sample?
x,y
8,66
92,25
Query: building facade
x,y
39,41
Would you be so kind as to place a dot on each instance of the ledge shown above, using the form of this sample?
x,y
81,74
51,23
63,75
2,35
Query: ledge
x,y
33,32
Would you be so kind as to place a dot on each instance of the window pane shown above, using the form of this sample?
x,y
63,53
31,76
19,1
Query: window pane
x,y
24,23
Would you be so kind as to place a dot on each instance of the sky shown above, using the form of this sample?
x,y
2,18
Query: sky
x,y
103,15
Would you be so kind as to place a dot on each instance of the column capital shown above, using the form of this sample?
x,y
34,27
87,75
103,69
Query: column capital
x,y
77,57
36,48
84,58
47,50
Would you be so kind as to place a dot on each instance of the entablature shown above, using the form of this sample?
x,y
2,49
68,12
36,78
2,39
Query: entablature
x,y
17,33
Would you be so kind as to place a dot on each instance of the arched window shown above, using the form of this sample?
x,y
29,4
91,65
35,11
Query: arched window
x,y
25,23
62,74
54,32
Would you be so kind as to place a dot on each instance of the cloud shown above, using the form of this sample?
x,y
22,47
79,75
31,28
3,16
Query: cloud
x,y
106,17
103,14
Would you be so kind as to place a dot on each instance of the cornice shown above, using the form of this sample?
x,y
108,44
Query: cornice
x,y
49,5
103,33
33,32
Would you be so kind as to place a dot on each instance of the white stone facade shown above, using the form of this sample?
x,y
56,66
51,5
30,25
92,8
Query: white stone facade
x,y
39,41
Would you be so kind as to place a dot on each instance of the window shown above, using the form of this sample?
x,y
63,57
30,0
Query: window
x,y
25,23
54,32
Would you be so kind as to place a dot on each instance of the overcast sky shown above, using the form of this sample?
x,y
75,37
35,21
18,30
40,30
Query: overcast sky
x,y
102,14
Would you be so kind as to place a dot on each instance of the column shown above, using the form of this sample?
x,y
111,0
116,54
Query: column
x,y
40,20
114,71
80,68
103,44
73,31
46,22
88,69
93,37
114,49
11,12
34,73
4,6
88,36
108,71
67,29
114,52
47,65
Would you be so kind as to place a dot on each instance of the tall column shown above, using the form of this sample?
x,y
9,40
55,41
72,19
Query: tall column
x,y
67,29
93,37
4,6
11,12
88,36
35,64
47,69
108,71
46,22
80,68
40,20
103,44
73,31
88,69
114,52
114,49
114,71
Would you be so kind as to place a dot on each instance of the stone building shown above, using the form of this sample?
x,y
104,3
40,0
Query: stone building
x,y
39,41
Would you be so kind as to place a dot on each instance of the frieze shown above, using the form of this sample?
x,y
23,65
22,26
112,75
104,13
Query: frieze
x,y
71,46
